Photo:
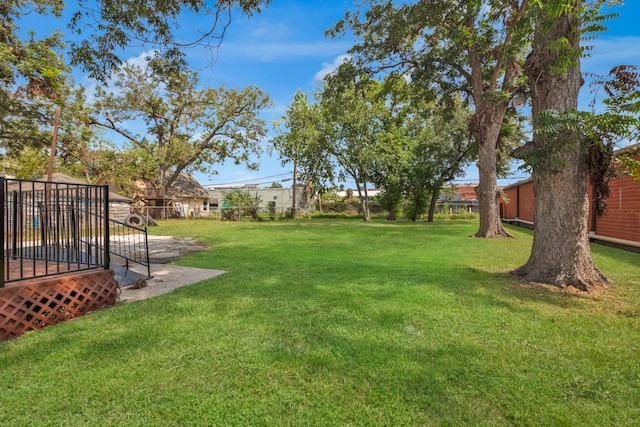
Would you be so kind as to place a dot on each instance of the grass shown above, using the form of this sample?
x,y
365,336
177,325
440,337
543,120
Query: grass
x,y
328,322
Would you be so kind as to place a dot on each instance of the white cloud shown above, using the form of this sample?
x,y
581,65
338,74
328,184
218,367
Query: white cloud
x,y
271,30
140,60
276,111
268,52
330,67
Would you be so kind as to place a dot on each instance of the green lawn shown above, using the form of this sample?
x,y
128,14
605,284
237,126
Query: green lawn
x,y
334,322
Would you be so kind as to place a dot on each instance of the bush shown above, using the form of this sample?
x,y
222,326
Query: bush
x,y
335,215
460,215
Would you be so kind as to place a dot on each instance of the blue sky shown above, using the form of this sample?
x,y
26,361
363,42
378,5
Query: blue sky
x,y
280,50
283,49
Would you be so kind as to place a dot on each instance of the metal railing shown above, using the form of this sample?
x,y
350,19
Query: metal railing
x,y
129,243
51,228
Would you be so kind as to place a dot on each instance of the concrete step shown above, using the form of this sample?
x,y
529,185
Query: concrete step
x,y
126,276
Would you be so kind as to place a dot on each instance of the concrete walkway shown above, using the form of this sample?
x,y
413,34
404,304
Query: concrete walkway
x,y
166,277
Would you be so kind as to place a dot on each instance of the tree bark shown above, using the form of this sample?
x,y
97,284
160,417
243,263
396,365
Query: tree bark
x,y
560,254
364,201
432,205
487,128
54,143
294,205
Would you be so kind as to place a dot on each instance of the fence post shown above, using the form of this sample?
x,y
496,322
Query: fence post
x,y
107,256
17,198
146,246
2,209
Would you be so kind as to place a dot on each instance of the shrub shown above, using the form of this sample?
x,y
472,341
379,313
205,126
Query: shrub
x,y
335,215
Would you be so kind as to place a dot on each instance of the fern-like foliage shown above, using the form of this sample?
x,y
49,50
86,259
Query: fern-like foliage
x,y
599,134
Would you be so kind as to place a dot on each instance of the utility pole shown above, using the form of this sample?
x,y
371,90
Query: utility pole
x,y
54,144
295,209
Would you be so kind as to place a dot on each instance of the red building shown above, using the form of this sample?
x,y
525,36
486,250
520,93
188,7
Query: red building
x,y
619,226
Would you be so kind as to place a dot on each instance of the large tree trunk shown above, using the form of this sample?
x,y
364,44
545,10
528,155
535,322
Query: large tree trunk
x,y
487,129
560,255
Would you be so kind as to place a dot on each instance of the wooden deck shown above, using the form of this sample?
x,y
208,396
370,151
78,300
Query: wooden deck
x,y
18,270
35,303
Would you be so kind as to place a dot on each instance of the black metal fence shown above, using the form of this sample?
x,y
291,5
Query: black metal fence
x,y
52,228
129,243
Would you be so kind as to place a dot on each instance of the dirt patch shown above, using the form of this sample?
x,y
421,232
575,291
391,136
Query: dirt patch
x,y
166,249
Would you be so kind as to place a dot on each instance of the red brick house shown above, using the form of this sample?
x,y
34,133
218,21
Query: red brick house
x,y
620,225
459,198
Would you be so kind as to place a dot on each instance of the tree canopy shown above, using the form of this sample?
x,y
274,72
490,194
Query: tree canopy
x,y
562,161
377,132
475,48
173,125
32,78
106,27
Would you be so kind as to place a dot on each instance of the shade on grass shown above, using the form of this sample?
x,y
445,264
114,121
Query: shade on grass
x,y
322,322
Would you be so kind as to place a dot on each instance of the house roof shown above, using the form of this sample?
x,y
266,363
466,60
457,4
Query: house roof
x,y
62,178
184,186
467,192
630,149
517,184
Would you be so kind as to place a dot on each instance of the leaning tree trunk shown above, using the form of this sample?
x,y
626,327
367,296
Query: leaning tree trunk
x,y
560,255
487,129
366,213
364,202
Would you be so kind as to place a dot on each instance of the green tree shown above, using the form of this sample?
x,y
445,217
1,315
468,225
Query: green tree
x,y
353,116
424,144
184,128
244,203
28,163
442,152
631,165
108,27
298,142
32,79
391,198
395,144
620,122
475,47
560,254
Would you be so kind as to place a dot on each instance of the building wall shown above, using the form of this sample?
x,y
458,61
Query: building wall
x,y
467,192
195,207
520,202
509,203
282,197
621,221
119,210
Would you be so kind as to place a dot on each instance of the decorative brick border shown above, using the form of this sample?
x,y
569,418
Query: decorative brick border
x,y
37,303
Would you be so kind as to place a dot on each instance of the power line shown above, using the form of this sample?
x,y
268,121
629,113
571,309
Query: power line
x,y
470,180
251,179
